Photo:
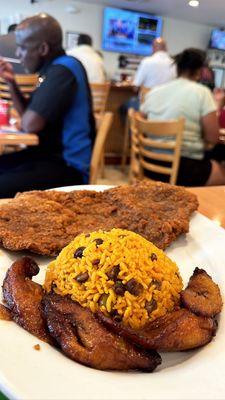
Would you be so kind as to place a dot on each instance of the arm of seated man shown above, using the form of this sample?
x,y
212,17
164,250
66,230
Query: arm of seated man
x,y
32,122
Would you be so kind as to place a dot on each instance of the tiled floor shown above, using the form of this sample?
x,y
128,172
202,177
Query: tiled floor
x,y
113,176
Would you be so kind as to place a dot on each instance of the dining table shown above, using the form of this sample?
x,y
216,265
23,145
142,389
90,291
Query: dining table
x,y
211,202
13,138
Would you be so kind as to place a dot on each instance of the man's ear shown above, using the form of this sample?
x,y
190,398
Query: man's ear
x,y
44,49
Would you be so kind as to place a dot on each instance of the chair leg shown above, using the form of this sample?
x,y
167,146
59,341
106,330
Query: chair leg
x,y
2,148
125,145
102,165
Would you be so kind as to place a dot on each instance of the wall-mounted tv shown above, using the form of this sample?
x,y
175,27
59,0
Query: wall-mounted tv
x,y
217,39
126,31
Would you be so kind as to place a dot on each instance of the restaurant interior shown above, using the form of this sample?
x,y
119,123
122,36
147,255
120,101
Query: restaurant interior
x,y
121,120
182,24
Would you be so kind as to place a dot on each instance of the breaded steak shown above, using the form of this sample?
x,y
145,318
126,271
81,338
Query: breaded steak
x,y
46,221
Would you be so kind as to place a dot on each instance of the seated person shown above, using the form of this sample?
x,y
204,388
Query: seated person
x,y
153,70
184,97
59,112
156,69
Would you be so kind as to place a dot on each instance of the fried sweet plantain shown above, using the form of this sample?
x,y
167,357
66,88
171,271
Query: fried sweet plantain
x,y
23,297
202,295
85,340
175,331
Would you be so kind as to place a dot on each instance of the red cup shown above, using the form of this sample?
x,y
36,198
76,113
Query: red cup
x,y
4,112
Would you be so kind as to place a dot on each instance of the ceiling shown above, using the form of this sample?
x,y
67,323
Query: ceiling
x,y
210,12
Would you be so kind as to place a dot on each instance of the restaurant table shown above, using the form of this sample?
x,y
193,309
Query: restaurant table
x,y
14,138
211,202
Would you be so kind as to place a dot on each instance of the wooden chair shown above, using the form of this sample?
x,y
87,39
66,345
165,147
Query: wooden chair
x,y
155,142
134,172
100,93
104,126
26,82
126,141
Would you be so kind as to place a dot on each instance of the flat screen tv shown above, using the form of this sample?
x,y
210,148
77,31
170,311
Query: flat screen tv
x,y
126,31
217,40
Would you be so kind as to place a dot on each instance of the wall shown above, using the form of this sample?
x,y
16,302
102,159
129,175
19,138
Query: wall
x,y
179,34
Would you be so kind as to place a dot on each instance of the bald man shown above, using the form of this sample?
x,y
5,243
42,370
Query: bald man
x,y
156,69
59,111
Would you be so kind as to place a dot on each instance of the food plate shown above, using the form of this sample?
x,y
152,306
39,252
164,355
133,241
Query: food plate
x,y
26,373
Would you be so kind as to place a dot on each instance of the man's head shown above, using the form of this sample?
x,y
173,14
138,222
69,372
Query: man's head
x,y
84,39
38,39
159,44
12,28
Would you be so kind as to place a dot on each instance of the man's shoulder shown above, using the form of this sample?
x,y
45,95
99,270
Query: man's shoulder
x,y
69,63
80,50
162,57
74,51
65,59
53,74
146,60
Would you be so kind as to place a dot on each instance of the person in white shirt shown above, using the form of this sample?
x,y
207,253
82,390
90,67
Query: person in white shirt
x,y
184,97
90,59
156,69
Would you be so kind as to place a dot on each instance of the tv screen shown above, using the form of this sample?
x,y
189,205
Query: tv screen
x,y
217,40
126,31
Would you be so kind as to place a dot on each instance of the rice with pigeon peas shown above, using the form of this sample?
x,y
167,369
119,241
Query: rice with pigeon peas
x,y
119,273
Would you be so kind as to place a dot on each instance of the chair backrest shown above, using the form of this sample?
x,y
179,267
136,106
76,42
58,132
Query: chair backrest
x,y
100,93
104,126
158,146
134,172
26,82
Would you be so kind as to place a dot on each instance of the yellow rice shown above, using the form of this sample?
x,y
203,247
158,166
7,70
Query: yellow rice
x,y
157,276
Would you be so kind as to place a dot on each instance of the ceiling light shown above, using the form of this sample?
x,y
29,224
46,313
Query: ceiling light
x,y
193,3
72,8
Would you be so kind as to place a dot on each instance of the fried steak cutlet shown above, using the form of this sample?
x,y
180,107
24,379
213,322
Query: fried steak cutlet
x,y
85,340
49,220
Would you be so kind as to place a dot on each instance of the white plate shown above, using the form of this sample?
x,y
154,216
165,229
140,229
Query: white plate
x,y
47,374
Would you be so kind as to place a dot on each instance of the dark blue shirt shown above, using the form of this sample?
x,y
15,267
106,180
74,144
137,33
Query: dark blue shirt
x,y
63,99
